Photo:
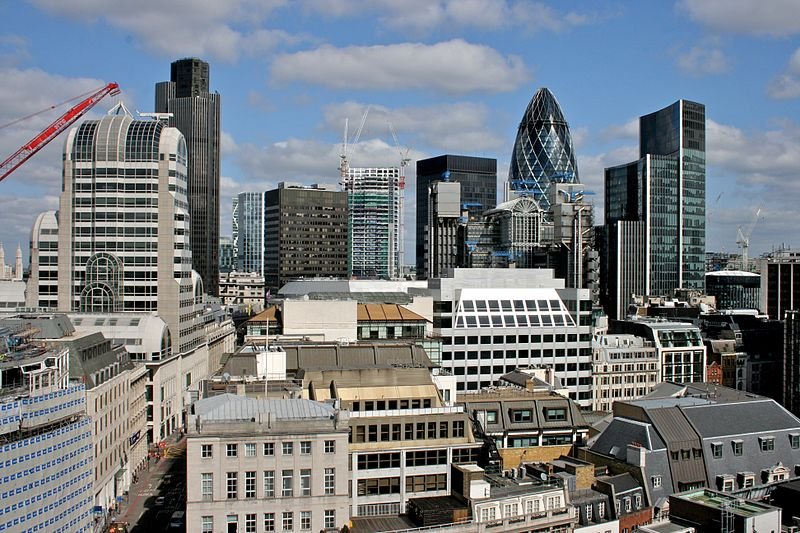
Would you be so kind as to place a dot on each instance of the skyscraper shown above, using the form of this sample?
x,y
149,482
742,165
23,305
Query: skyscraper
x,y
249,231
543,151
306,230
477,177
196,113
123,232
655,210
374,203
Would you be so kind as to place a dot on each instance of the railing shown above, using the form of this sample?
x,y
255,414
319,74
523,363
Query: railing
x,y
501,524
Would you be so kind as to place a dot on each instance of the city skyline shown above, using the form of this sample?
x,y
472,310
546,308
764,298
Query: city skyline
x,y
447,83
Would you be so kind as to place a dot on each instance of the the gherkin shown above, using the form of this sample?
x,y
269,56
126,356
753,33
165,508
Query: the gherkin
x,y
543,151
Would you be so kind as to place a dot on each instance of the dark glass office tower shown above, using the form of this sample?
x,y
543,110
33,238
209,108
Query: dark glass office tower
x,y
196,113
655,210
543,151
478,179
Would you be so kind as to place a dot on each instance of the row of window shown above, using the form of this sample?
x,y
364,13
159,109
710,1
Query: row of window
x,y
269,521
382,405
408,431
516,339
248,490
460,355
766,444
267,449
512,509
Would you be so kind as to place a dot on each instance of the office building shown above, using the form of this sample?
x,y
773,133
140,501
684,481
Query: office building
x,y
196,113
42,290
494,320
477,177
543,151
242,291
306,229
374,203
791,362
227,261
47,452
779,290
679,349
266,465
734,289
655,210
249,232
624,367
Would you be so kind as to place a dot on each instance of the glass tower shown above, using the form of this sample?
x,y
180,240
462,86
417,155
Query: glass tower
x,y
655,210
543,151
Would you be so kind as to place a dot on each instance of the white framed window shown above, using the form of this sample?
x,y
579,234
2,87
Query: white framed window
x,y
269,449
231,450
287,482
250,449
589,514
554,502
511,509
767,444
305,482
250,485
305,520
329,518
601,510
330,481
207,486
305,447
250,523
638,499
232,485
269,521
207,524
656,480
287,448
627,502
288,521
330,446
488,513
206,451
269,483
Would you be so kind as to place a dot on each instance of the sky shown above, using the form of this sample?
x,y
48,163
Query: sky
x,y
450,76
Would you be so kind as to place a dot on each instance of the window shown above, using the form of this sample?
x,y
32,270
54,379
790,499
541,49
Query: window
x,y
207,524
269,521
288,448
207,486
638,499
250,449
589,510
458,428
767,443
794,440
487,514
553,502
305,447
287,490
269,483
232,485
305,520
330,518
250,523
627,502
511,509
555,415
601,510
206,451
330,446
305,482
737,447
491,417
716,450
231,450
522,415
288,521
532,506
656,481
330,481
269,448
250,484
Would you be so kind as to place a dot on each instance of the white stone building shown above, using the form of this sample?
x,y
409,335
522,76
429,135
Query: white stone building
x,y
624,367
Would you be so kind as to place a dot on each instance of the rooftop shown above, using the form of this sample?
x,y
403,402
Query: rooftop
x,y
716,500
232,408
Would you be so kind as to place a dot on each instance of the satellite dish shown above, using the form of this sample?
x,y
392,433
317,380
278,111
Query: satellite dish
x,y
226,377
543,476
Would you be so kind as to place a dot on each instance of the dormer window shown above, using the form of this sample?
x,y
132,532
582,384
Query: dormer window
x,y
555,414
521,415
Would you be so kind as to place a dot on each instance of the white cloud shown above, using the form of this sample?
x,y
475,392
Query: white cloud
x,y
775,17
13,50
703,60
787,84
18,214
449,66
181,27
627,131
424,16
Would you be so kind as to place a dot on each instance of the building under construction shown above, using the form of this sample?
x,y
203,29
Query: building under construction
x,y
374,199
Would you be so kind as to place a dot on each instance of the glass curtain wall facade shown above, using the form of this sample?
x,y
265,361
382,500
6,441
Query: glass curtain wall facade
x,y
664,190
250,227
543,151
477,177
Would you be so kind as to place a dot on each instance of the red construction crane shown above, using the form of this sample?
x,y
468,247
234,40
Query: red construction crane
x,y
53,130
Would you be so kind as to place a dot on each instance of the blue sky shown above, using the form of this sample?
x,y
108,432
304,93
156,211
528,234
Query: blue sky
x,y
451,76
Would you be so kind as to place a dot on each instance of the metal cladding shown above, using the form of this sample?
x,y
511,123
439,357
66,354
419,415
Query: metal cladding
x,y
543,151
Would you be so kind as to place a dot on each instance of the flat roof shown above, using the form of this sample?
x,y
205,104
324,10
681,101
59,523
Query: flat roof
x,y
716,500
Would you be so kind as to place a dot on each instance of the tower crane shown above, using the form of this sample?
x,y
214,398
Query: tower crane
x,y
344,164
53,130
404,161
743,240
